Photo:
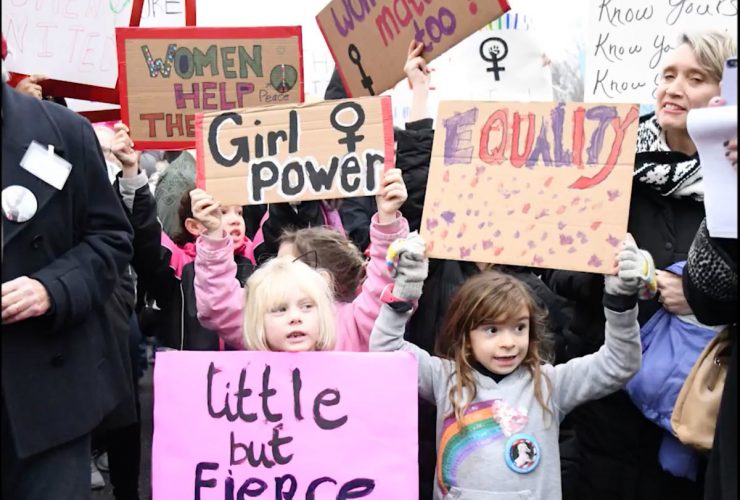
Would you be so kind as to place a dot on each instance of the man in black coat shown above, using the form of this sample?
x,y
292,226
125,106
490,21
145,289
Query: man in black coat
x,y
60,262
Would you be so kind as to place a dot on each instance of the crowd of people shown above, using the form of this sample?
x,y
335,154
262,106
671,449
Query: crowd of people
x,y
561,373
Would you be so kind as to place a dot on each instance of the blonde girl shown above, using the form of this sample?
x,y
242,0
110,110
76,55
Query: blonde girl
x,y
221,301
289,307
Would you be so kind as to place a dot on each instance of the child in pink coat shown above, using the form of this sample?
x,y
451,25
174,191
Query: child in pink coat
x,y
221,301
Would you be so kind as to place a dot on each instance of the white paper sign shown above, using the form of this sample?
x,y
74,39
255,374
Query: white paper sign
x,y
69,41
75,40
501,62
627,40
709,129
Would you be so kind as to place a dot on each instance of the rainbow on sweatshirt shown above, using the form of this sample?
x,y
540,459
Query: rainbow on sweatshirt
x,y
460,440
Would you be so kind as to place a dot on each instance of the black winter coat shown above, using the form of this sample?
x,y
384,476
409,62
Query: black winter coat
x,y
356,214
60,373
413,151
282,217
120,307
171,285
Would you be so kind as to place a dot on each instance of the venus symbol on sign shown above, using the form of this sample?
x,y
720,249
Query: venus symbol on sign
x,y
494,50
356,58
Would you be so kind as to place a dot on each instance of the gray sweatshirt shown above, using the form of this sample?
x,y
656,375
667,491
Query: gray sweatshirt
x,y
505,422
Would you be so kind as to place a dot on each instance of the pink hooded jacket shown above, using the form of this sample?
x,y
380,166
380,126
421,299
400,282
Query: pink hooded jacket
x,y
220,299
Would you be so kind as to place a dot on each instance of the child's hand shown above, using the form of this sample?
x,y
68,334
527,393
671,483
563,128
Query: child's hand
x,y
408,265
416,67
392,195
635,272
206,210
123,148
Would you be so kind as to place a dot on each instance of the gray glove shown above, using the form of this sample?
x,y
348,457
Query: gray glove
x,y
636,271
409,266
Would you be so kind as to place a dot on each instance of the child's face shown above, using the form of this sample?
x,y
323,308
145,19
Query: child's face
x,y
293,325
502,346
233,223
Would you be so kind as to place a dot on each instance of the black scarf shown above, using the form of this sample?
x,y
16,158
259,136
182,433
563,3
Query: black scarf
x,y
670,173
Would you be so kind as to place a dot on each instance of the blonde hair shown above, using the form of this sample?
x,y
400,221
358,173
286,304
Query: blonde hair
x,y
491,296
711,49
269,285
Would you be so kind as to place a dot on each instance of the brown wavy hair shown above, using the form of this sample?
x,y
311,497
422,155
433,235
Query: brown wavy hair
x,y
329,249
184,212
488,297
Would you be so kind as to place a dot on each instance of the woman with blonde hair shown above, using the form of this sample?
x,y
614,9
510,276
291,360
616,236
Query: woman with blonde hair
x,y
620,450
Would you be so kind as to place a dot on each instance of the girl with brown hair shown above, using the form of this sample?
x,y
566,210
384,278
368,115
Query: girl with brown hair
x,y
495,393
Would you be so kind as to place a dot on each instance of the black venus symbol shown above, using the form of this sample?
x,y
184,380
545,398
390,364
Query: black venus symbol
x,y
494,50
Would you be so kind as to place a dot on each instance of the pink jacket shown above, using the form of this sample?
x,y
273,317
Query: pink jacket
x,y
220,299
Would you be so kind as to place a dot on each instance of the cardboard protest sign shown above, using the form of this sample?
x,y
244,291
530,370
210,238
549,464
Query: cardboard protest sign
x,y
318,151
541,184
628,39
369,40
284,425
169,74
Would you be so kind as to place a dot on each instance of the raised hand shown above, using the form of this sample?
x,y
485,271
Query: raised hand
x,y
206,210
391,196
416,67
408,266
635,271
123,148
